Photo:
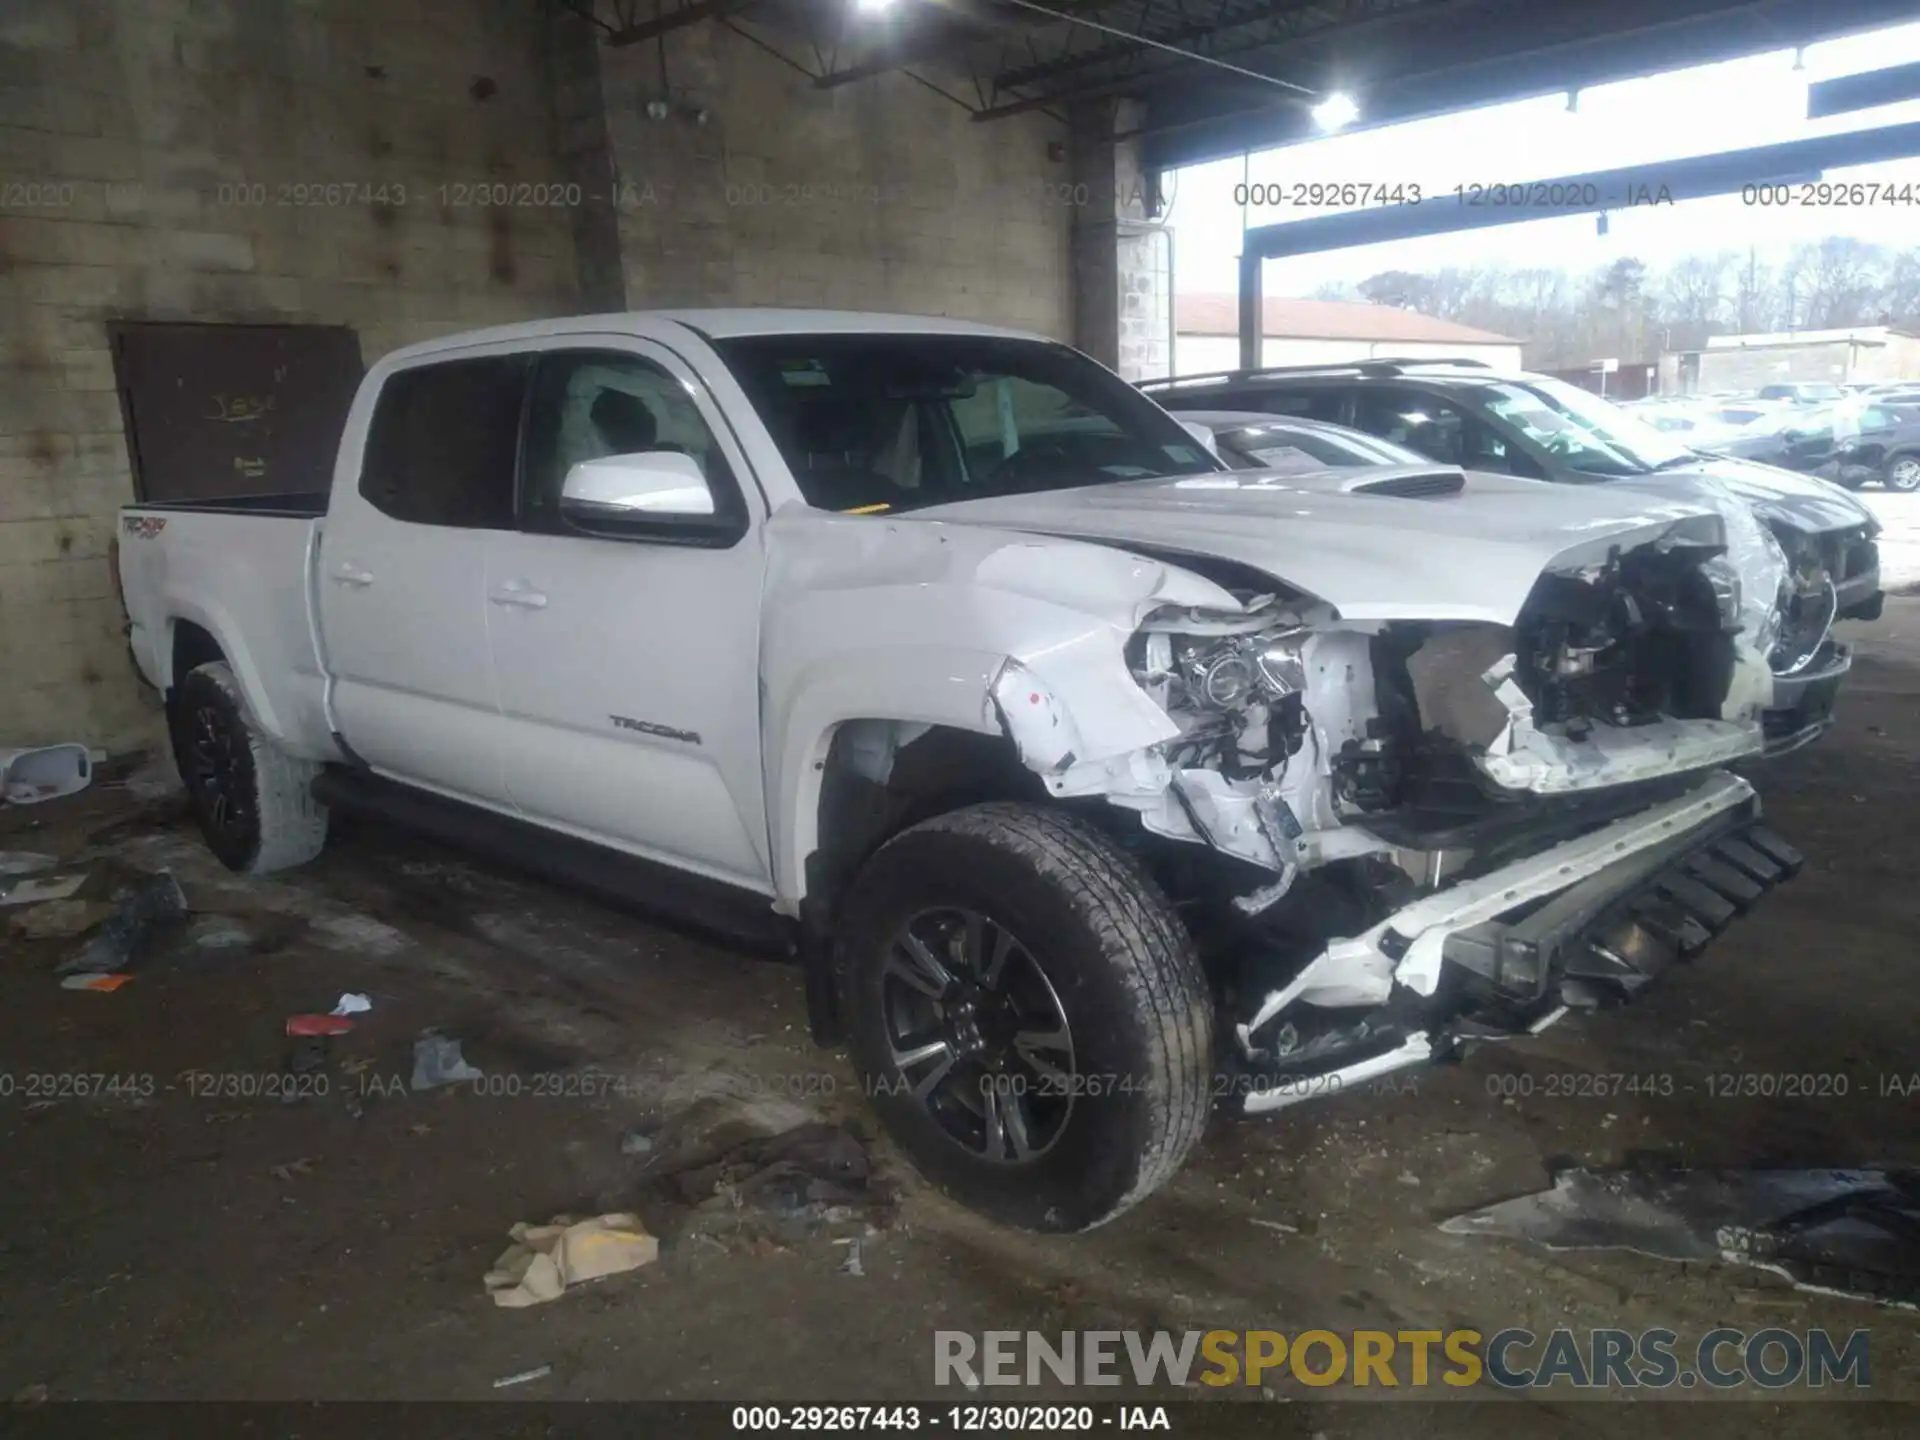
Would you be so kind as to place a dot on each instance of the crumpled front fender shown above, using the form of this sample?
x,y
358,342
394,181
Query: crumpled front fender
x,y
926,623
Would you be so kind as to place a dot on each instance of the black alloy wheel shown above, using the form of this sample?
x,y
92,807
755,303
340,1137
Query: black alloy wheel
x,y
978,1033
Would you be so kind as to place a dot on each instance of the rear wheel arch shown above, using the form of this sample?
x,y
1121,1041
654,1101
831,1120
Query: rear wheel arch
x,y
254,802
193,646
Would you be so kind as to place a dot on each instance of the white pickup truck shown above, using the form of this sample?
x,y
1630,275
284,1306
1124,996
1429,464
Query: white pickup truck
x,y
1096,786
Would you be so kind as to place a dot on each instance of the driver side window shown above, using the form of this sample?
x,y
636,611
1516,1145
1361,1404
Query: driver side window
x,y
588,405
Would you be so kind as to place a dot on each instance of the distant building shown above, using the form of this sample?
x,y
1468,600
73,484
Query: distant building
x,y
1839,357
1325,332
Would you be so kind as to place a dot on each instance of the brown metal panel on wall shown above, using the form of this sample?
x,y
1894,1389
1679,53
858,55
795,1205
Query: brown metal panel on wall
x,y
217,411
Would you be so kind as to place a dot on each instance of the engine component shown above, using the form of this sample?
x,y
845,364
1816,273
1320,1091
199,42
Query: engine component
x,y
1645,636
1233,688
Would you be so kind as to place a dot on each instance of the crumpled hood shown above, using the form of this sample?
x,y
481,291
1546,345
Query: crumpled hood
x,y
1780,497
1474,555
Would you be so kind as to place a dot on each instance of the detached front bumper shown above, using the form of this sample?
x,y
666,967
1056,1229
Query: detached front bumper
x,y
1588,921
1802,707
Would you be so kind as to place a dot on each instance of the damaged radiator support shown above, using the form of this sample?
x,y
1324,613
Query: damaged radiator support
x,y
1616,931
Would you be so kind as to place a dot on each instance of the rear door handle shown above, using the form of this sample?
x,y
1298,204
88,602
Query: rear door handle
x,y
520,593
348,573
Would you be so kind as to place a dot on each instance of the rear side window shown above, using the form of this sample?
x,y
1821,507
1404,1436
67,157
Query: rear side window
x,y
443,444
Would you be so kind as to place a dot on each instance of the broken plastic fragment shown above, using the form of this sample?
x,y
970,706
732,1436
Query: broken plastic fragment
x,y
437,1061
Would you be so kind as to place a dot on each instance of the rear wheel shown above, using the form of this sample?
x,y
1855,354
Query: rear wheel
x,y
1903,473
253,801
1028,1015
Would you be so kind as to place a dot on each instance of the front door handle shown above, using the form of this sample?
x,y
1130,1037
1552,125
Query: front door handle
x,y
520,593
348,573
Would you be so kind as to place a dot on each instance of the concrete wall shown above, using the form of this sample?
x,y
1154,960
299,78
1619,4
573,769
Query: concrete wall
x,y
140,121
1201,354
129,127
879,195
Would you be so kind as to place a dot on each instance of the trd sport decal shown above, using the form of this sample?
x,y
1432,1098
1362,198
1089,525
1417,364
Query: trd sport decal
x,y
647,727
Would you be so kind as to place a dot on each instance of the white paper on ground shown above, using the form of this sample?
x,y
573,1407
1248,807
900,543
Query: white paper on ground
x,y
31,891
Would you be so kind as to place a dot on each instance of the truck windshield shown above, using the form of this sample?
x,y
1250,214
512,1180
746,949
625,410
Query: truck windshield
x,y
1585,432
873,424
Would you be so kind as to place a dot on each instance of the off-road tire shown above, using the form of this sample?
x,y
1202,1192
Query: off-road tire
x,y
1126,976
274,822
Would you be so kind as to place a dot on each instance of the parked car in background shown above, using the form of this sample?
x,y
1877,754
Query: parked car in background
x,y
1886,449
1694,422
1248,440
1802,392
1908,394
1795,438
1858,442
1817,540
1094,785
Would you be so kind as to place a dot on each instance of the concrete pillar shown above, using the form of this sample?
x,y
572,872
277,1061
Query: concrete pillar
x,y
586,159
1122,255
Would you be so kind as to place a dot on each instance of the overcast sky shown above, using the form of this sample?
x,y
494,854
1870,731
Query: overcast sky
x,y
1757,101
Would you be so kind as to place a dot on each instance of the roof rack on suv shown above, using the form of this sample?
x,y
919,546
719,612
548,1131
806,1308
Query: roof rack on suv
x,y
1379,365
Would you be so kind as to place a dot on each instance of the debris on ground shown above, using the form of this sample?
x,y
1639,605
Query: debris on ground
x,y
60,919
636,1142
145,907
32,891
352,1004
302,1166
1844,1232
544,1260
307,1057
815,1173
28,777
1280,1225
437,1061
539,1372
851,1265
301,1025
24,862
88,980
217,932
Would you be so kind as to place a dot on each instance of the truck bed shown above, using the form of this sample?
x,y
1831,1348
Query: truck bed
x,y
239,570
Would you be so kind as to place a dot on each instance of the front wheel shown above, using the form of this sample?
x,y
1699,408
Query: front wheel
x,y
1903,473
253,801
1028,1015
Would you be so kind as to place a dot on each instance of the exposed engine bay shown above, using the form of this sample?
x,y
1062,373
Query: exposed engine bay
x,y
1303,739
1368,764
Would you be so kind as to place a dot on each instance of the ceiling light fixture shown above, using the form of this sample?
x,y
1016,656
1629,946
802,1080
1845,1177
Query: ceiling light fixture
x,y
1336,112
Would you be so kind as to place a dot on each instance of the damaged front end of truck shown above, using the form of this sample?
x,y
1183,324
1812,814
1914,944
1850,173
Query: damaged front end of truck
x,y
1394,836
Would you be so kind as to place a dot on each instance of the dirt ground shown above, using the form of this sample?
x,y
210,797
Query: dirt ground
x,y
205,1241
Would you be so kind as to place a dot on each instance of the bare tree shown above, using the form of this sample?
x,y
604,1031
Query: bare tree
x,y
1692,299
1843,277
1755,294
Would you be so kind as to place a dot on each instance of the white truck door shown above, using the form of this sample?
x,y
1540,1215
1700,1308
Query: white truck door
x,y
627,653
403,568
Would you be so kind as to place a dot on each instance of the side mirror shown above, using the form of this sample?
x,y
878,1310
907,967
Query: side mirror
x,y
1203,434
649,485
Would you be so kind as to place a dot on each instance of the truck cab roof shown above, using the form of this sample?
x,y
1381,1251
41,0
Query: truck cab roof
x,y
713,324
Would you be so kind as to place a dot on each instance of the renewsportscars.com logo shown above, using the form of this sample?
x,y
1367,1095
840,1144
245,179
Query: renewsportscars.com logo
x,y
1511,1359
